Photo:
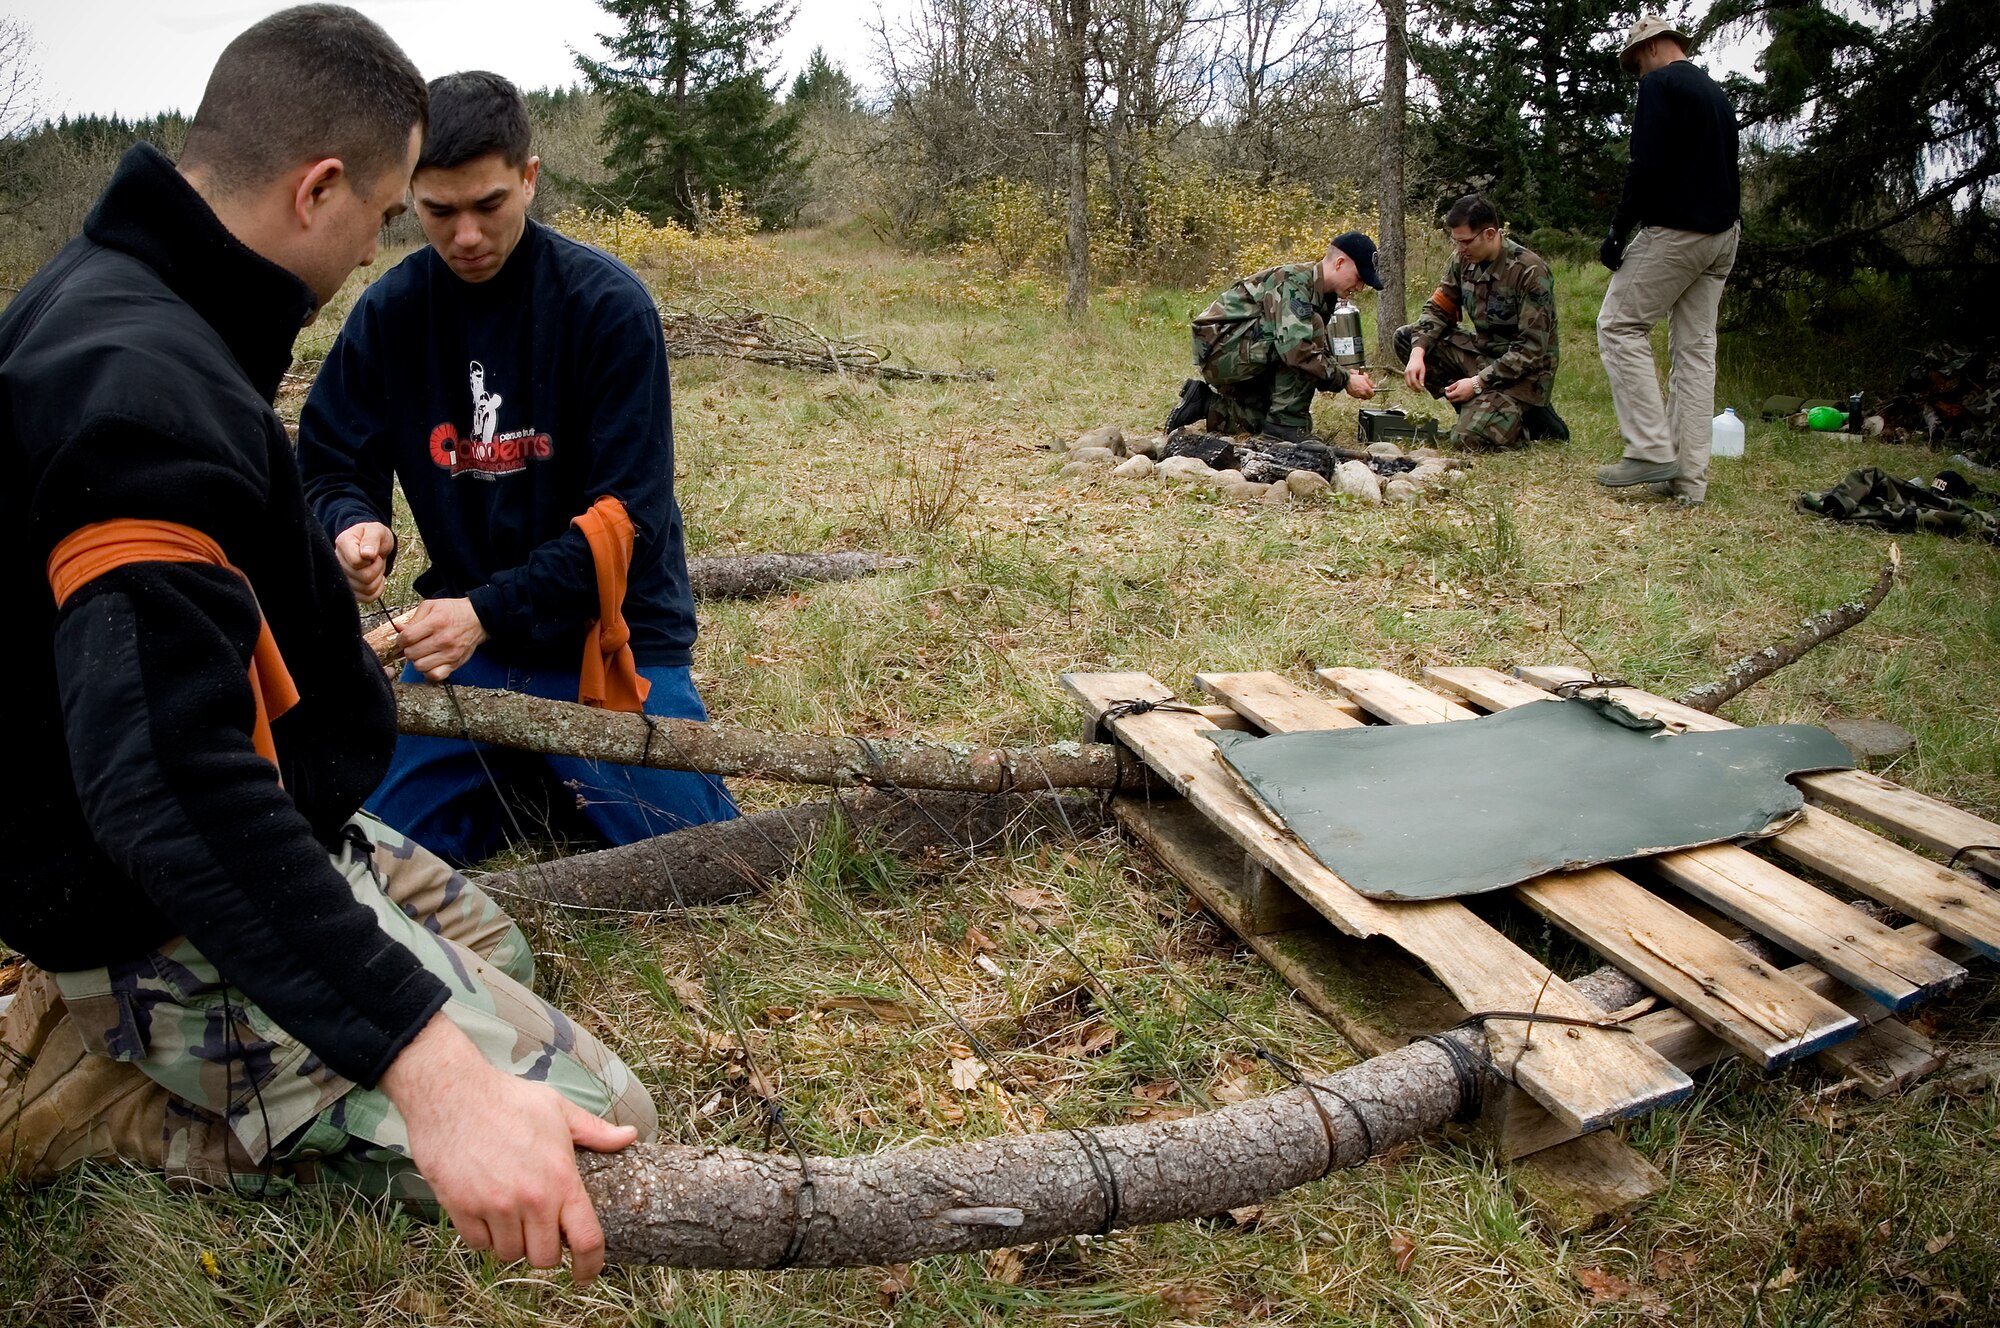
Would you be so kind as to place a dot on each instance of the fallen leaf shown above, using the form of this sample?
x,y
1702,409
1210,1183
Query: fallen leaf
x,y
1668,1264
979,942
1784,1279
1156,1090
986,962
867,1116
966,1072
893,1285
1186,1298
1404,1249
1604,1288
888,1011
1004,1266
1262,1307
778,1014
1035,899
687,993
1230,1087
760,659
1248,1216
1938,1244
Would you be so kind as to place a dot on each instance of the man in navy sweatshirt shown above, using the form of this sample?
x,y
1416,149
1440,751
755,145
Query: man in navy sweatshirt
x,y
1682,196
515,382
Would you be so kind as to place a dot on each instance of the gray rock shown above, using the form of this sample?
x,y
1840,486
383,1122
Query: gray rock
x,y
1225,478
1304,484
1146,447
1354,478
1426,453
1110,438
1388,451
1277,495
1871,739
1400,490
1134,468
1184,468
1425,472
1099,455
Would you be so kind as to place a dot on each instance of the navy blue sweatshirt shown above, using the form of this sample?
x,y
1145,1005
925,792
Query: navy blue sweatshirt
x,y
506,408
136,375
1682,173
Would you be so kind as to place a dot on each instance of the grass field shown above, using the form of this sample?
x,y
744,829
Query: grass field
x,y
1786,1206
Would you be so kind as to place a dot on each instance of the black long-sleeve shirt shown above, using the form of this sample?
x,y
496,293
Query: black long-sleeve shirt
x,y
1682,173
136,377
506,408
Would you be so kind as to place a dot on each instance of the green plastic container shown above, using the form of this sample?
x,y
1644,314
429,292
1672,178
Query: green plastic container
x,y
1827,418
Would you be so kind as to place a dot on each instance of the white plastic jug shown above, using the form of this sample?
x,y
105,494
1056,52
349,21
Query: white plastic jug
x,y
1725,434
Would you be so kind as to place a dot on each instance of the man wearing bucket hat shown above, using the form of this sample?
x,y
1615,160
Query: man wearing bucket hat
x,y
1262,348
1680,209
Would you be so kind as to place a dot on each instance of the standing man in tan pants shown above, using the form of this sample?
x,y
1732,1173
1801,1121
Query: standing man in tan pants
x,y
1682,195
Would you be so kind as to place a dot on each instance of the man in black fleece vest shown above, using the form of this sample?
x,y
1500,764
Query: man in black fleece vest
x,y
512,380
1682,195
235,977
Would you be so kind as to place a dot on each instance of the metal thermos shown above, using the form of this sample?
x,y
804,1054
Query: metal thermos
x,y
1345,334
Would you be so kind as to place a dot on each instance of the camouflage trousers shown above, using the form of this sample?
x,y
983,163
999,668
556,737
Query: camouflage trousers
x,y
1873,497
1489,419
161,1062
1251,388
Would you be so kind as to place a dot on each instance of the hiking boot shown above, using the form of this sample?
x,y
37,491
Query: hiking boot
x,y
1193,407
1538,422
1631,470
1285,433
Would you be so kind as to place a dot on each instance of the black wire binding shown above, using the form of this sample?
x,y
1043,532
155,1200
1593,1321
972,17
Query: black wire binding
x,y
1952,864
1568,690
1471,1080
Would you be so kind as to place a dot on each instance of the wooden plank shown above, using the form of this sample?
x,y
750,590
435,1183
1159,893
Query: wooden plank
x,y
1489,689
1867,955
1379,1001
1936,825
1393,698
1587,1077
1276,704
1905,880
1763,1014
1885,1059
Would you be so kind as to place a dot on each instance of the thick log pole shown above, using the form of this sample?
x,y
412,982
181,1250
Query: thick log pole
x,y
509,719
728,1208
707,864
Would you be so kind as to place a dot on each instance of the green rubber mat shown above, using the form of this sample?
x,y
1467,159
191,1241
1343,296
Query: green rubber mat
x,y
1430,811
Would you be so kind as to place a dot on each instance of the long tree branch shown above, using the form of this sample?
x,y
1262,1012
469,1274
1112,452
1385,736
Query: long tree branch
x,y
1816,630
564,728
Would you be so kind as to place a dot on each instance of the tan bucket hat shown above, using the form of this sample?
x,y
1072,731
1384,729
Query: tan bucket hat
x,y
1648,27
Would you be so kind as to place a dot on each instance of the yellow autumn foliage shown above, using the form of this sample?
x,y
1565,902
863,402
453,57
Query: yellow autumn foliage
x,y
1193,226
722,249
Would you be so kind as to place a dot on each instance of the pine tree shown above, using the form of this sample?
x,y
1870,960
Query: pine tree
x,y
1529,105
690,106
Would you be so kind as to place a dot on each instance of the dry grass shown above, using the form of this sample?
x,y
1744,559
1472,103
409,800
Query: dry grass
x,y
1884,1213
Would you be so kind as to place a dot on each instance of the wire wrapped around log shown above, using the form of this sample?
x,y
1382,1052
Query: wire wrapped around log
x,y
730,1208
564,728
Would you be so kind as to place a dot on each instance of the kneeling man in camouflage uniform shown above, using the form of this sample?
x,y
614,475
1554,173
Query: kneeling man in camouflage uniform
x,y
1262,349
1499,374
235,976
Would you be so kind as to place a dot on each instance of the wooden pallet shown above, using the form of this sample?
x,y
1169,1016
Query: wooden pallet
x,y
1671,921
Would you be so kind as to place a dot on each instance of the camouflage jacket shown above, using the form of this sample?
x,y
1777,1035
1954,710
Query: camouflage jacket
x,y
1279,306
1511,303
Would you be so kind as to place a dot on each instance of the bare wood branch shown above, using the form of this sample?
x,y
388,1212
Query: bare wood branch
x,y
708,864
727,1208
564,728
1816,630
740,332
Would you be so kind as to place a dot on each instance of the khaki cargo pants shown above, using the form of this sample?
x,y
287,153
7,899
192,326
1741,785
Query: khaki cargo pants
x,y
159,1062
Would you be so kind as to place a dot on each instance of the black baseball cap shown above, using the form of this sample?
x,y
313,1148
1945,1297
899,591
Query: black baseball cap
x,y
1362,250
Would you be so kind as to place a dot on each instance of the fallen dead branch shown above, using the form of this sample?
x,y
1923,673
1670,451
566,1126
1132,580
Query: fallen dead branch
x,y
728,1208
707,864
734,576
740,332
1816,630
564,728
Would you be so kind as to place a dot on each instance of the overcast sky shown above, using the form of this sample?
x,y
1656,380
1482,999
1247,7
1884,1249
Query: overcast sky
x,y
140,57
